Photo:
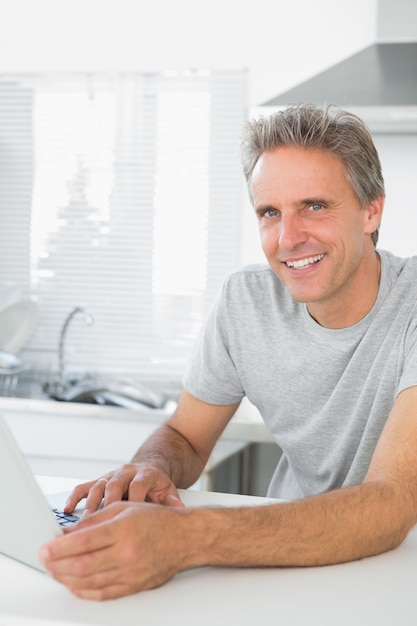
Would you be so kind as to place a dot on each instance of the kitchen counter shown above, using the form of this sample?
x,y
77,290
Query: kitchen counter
x,y
246,425
377,590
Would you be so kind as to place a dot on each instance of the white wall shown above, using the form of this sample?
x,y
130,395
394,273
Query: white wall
x,y
397,21
398,154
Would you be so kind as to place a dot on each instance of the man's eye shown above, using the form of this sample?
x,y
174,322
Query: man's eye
x,y
315,207
267,213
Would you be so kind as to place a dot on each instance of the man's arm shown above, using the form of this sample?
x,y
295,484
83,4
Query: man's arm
x,y
113,551
338,526
182,447
342,525
173,457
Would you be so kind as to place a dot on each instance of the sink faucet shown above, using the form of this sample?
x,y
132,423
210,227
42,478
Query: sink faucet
x,y
88,318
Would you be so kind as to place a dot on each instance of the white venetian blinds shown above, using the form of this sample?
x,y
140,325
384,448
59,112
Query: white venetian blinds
x,y
121,193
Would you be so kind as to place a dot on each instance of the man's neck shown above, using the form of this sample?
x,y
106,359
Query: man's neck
x,y
354,304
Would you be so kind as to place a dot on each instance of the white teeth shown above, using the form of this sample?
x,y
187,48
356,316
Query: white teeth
x,y
304,262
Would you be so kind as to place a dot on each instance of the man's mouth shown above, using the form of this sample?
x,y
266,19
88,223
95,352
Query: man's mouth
x,y
303,263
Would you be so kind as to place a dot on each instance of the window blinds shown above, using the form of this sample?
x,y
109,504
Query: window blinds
x,y
120,193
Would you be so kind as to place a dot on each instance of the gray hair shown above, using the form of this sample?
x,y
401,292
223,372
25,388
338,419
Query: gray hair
x,y
339,133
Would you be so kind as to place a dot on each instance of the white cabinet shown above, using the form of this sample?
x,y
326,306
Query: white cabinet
x,y
86,447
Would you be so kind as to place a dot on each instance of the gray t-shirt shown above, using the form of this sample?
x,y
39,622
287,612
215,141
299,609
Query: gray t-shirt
x,y
324,394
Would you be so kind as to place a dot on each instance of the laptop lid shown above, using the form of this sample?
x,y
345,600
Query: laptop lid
x,y
26,520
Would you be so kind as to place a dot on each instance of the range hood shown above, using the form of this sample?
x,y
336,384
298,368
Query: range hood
x,y
378,83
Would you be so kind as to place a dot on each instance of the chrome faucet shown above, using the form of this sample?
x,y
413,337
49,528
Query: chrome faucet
x,y
88,318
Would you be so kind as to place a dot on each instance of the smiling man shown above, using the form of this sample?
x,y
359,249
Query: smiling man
x,y
323,340
312,230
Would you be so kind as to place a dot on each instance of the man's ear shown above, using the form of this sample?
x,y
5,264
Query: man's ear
x,y
373,214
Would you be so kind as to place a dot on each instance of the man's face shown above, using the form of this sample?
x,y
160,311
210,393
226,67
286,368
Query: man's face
x,y
313,231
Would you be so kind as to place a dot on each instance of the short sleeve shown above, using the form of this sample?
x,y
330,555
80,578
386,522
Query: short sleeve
x,y
211,375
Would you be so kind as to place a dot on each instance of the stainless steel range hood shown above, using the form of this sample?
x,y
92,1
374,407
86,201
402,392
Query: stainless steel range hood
x,y
378,83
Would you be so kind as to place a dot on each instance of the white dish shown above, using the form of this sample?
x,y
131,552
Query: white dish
x,y
17,323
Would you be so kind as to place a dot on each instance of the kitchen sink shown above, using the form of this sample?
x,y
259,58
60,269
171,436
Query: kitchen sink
x,y
119,393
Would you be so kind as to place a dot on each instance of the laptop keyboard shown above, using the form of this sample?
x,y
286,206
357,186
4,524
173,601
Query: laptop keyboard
x,y
64,519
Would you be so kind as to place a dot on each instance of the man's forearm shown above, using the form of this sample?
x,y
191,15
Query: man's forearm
x,y
168,451
339,526
332,528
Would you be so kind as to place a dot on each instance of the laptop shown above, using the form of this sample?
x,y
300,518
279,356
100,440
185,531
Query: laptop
x,y
27,521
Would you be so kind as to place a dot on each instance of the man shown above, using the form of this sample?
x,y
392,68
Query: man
x,y
323,341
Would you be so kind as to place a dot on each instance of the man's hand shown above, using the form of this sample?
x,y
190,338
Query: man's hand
x,y
118,550
138,482
173,456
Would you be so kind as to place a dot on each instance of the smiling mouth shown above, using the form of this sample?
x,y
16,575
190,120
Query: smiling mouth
x,y
303,263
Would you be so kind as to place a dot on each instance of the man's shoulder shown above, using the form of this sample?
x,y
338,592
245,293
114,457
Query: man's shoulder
x,y
254,272
254,277
256,285
404,267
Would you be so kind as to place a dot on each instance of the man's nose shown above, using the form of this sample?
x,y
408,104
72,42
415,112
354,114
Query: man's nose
x,y
292,231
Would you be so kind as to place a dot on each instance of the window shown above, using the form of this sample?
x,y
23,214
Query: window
x,y
120,193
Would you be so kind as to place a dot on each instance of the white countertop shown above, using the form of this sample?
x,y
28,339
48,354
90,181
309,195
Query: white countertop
x,y
247,424
377,591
